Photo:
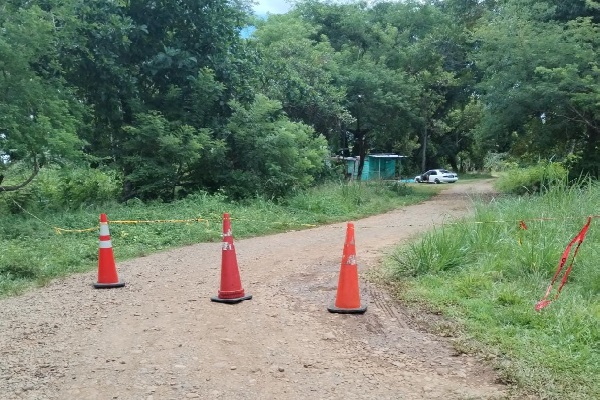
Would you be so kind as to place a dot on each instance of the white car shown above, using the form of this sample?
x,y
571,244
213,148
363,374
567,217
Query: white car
x,y
437,176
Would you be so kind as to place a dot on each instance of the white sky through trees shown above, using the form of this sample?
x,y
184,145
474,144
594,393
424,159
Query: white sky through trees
x,y
262,7
272,6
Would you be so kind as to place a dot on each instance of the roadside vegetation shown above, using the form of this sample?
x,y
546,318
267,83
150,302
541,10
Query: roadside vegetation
x,y
486,274
474,175
33,252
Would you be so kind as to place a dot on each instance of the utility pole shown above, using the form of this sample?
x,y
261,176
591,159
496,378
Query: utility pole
x,y
360,138
424,138
424,154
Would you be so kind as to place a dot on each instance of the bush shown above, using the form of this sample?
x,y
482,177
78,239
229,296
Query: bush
x,y
532,179
270,154
14,202
73,187
439,250
63,188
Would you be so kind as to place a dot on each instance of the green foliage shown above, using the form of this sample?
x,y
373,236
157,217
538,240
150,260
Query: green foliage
x,y
439,250
540,83
158,85
271,155
499,162
39,115
299,72
532,179
158,156
348,198
488,273
61,188
475,175
74,187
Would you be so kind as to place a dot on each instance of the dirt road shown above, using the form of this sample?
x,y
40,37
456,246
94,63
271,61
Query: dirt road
x,y
160,337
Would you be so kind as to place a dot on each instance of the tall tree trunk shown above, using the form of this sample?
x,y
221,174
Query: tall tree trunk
x,y
453,162
424,154
13,188
360,140
362,153
591,153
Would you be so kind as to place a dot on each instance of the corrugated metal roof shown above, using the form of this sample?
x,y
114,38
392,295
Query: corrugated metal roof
x,y
383,155
379,155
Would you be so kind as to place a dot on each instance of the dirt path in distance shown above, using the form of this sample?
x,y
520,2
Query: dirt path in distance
x,y
161,337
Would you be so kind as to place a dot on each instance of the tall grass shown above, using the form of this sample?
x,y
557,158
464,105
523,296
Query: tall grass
x,y
488,273
32,252
533,179
475,175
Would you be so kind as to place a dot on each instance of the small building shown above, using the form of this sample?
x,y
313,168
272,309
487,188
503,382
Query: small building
x,y
376,166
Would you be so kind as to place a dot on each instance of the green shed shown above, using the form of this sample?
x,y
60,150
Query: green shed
x,y
377,166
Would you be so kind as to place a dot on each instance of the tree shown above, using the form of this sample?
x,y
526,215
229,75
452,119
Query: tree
x,y
565,11
270,155
459,145
299,72
380,94
164,66
540,85
160,155
429,47
39,117
574,89
405,68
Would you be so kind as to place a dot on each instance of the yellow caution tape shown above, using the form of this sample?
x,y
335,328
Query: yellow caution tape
x,y
207,221
151,221
59,231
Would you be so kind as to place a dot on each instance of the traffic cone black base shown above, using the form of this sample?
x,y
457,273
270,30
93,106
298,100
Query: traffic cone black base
x,y
360,310
217,299
108,285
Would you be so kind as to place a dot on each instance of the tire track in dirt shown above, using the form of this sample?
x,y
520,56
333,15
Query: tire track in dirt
x,y
385,303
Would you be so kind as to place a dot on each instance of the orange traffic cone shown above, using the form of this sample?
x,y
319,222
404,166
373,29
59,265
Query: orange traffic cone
x,y
231,286
347,300
107,270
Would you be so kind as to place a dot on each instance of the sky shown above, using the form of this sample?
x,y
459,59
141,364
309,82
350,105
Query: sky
x,y
271,6
262,7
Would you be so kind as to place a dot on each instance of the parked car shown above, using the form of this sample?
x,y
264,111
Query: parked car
x,y
437,176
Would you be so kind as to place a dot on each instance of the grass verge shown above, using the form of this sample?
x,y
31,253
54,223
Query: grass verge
x,y
33,253
474,175
487,274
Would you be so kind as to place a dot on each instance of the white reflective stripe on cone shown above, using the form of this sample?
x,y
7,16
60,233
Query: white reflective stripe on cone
x,y
103,229
105,244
